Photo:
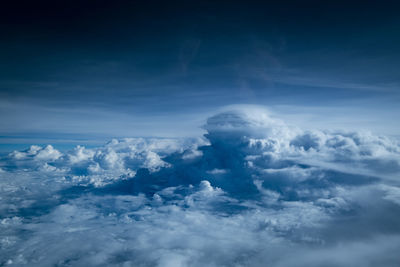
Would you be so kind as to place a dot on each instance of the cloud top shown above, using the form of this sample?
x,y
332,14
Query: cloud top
x,y
253,192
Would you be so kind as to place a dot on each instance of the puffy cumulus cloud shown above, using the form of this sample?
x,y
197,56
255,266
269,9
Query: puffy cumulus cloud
x,y
118,159
254,192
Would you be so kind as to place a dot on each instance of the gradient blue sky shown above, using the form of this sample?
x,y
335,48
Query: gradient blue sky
x,y
87,71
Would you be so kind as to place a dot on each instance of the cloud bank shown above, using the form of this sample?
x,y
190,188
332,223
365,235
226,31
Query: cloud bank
x,y
253,192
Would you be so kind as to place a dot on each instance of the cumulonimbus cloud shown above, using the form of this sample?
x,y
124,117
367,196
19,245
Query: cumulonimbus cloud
x,y
253,192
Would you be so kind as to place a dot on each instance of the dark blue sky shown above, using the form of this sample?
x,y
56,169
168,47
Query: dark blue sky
x,y
92,70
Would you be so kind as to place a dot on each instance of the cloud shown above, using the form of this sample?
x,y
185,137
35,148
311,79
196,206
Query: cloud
x,y
253,192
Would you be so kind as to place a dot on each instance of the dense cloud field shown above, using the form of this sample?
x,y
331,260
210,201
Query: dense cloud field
x,y
253,192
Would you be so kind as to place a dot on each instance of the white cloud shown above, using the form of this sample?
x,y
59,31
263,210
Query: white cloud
x,y
257,192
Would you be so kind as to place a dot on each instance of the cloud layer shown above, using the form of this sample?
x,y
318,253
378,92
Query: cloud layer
x,y
253,192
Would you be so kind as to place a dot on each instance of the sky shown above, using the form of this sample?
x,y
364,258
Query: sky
x,y
86,72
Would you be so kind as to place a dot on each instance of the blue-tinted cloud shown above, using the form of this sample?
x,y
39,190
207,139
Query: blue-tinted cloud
x,y
254,192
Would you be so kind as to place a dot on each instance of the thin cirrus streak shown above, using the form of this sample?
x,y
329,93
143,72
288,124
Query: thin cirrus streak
x,y
253,192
